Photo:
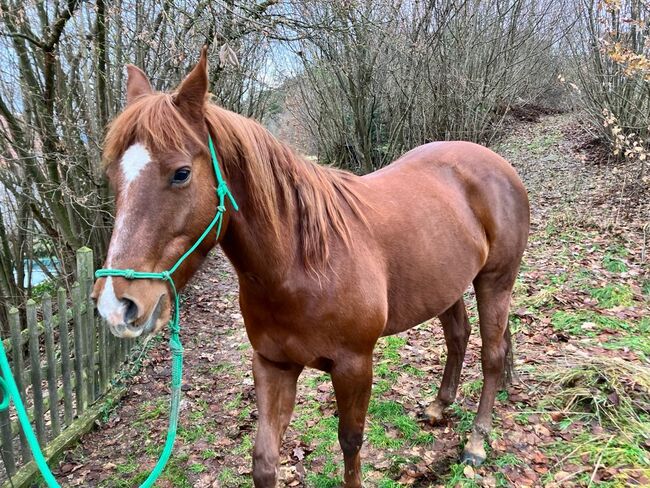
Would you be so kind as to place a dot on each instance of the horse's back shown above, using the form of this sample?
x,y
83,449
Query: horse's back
x,y
439,215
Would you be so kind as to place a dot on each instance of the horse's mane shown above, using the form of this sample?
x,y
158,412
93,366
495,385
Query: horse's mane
x,y
279,182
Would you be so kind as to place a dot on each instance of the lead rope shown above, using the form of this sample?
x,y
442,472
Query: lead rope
x,y
8,384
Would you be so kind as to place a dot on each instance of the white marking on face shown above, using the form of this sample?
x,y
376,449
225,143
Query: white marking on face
x,y
109,306
135,158
133,161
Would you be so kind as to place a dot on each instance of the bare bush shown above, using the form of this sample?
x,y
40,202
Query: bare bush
x,y
612,70
396,74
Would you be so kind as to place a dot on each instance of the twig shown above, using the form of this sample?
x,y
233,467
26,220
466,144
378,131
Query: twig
x,y
600,457
572,475
620,201
645,236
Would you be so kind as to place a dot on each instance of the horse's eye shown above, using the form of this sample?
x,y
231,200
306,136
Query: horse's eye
x,y
181,176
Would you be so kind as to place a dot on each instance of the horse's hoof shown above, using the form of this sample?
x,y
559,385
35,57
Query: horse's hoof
x,y
434,414
473,459
474,453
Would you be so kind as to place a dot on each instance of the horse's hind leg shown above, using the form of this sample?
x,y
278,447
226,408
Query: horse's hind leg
x,y
456,329
493,292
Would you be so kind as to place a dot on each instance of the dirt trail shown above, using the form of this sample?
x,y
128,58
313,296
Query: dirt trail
x,y
564,303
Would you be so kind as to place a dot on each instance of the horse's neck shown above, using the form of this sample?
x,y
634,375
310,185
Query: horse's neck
x,y
253,247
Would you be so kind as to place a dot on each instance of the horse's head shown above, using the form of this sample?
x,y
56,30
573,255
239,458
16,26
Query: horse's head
x,y
157,163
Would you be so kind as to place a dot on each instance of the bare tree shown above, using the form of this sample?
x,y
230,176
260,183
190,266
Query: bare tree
x,y
394,74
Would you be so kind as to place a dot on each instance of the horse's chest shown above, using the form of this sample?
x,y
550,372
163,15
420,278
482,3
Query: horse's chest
x,y
287,342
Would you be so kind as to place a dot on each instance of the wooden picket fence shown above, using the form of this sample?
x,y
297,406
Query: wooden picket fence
x,y
64,364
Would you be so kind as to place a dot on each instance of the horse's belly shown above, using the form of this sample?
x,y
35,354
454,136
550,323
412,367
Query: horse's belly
x,y
408,310
431,279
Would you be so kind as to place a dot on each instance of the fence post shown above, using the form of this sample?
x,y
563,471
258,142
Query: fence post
x,y
35,364
17,360
78,349
85,275
8,457
85,270
64,339
51,364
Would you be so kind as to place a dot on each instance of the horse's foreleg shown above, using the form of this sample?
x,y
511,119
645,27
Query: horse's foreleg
x,y
493,292
456,329
352,379
275,390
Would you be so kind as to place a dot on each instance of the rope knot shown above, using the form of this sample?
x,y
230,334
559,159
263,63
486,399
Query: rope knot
x,y
221,209
166,275
129,274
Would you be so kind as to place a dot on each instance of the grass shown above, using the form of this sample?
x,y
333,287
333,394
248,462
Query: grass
x,y
613,395
637,343
245,448
228,478
586,323
614,264
615,391
507,459
613,295
465,418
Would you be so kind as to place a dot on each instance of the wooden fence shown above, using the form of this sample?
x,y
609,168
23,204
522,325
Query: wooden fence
x,y
64,360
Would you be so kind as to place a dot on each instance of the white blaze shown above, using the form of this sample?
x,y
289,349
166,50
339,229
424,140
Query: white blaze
x,y
134,160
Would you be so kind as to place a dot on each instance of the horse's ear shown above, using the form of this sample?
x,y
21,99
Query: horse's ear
x,y
190,96
137,83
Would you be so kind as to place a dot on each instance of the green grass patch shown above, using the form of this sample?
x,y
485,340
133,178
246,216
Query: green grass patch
x,y
586,323
609,392
465,418
507,459
457,478
322,435
128,467
391,346
378,437
472,388
234,403
176,473
541,144
638,343
193,433
245,448
228,478
384,370
152,410
614,264
381,387
613,295
543,298
209,454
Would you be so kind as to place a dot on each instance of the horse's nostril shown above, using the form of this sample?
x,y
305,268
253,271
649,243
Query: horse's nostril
x,y
131,312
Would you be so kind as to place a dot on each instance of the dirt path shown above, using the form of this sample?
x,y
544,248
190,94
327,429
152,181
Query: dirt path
x,y
582,297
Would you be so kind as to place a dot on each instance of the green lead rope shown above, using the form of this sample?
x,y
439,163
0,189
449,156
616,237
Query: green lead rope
x,y
8,384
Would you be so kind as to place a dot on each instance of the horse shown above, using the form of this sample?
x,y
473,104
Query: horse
x,y
327,262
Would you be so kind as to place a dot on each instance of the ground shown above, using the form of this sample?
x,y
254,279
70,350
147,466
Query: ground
x,y
578,414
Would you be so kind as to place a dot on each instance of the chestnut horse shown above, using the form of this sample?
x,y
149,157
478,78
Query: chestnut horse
x,y
327,262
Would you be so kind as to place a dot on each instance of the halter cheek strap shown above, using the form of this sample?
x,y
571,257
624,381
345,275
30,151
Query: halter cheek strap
x,y
8,384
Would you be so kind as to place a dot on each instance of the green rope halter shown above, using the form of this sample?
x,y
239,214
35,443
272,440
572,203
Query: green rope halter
x,y
8,383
